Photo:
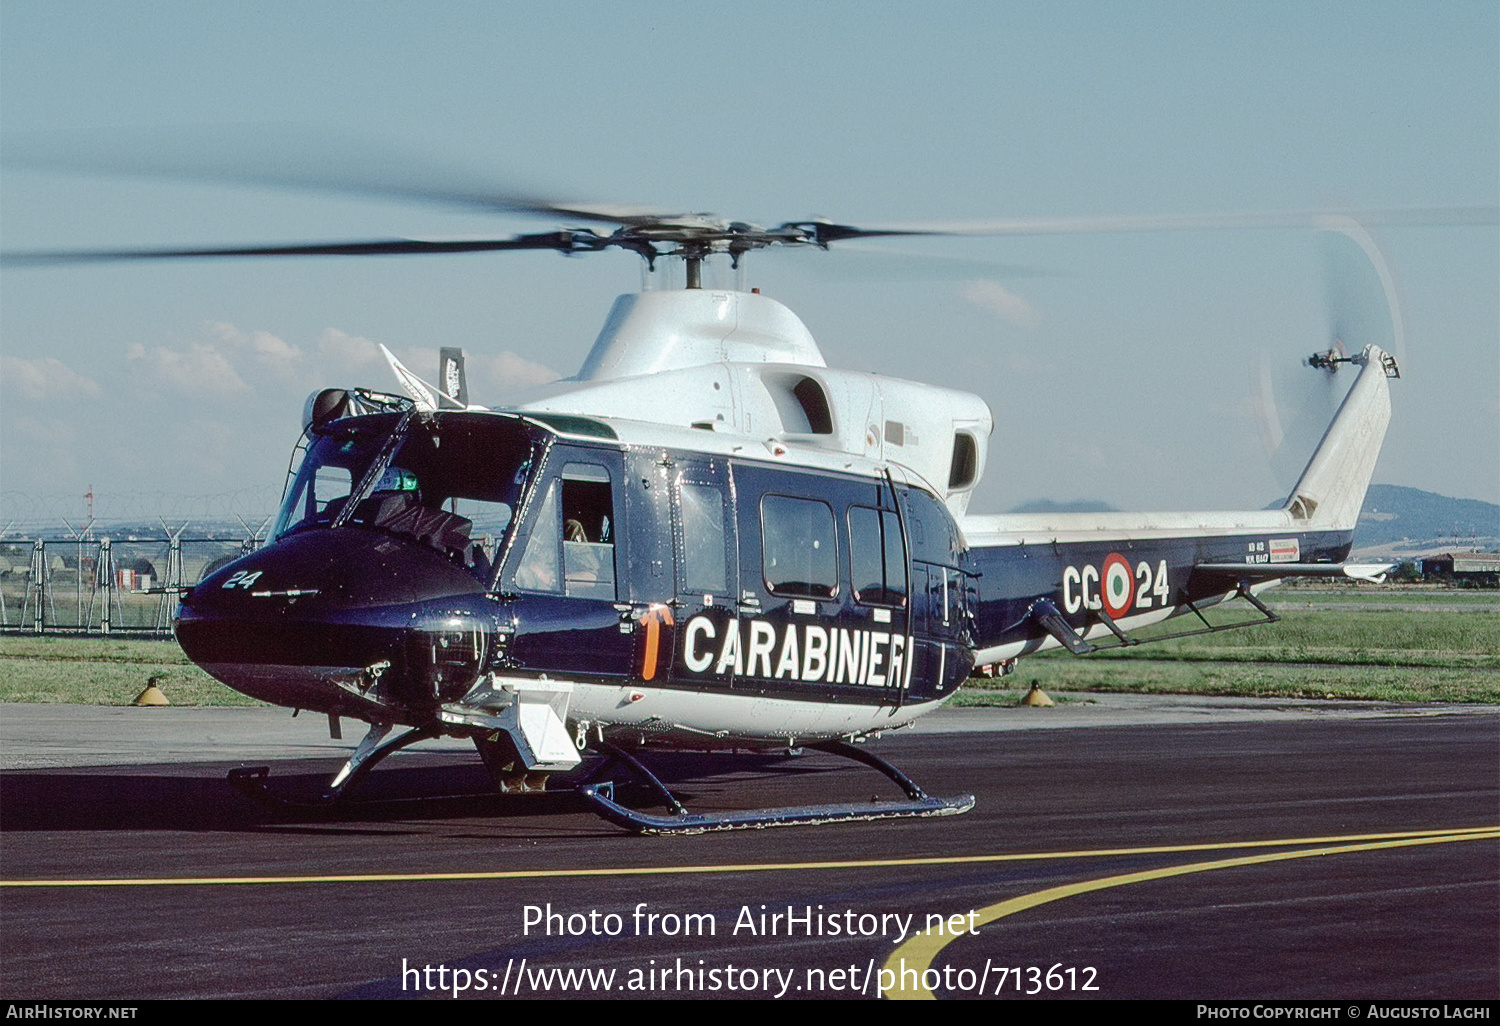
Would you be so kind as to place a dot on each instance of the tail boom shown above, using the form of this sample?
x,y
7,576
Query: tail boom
x,y
1108,573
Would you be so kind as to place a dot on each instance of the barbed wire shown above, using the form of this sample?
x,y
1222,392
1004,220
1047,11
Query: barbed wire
x,y
34,514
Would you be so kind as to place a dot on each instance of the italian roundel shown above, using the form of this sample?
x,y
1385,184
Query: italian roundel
x,y
1118,584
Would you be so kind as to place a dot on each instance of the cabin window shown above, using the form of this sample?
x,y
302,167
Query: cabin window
x,y
588,511
934,539
877,562
704,562
799,547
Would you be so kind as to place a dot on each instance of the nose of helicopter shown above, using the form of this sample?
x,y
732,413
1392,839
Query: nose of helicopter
x,y
317,619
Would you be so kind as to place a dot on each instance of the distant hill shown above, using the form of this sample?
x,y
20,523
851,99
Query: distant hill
x,y
1395,520
1413,521
1076,506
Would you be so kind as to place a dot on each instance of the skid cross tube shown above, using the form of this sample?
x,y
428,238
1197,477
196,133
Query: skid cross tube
x,y
601,798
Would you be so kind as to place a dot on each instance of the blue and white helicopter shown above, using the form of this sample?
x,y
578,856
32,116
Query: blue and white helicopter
x,y
705,539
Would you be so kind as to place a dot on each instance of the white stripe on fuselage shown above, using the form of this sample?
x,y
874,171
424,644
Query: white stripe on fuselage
x,y
709,717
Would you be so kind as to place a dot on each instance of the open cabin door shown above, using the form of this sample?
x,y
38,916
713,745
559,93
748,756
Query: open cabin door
x,y
566,578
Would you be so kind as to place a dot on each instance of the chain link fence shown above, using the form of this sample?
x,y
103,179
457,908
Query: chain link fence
x,y
122,574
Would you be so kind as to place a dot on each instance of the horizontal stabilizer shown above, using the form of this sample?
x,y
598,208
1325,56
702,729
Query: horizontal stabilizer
x,y
1372,572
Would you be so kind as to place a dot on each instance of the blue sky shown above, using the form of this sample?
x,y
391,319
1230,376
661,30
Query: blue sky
x,y
1119,367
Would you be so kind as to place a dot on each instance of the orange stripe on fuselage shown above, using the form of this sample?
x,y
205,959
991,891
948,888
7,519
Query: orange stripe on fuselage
x,y
655,615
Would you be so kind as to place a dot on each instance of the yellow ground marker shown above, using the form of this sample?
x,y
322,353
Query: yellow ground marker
x,y
916,955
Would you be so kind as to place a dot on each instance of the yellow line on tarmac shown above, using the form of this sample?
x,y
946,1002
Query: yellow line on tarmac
x,y
764,867
921,950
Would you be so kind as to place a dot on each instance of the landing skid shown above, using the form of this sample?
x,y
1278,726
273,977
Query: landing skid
x,y
679,820
251,780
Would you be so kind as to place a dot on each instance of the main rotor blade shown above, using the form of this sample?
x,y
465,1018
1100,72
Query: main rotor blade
x,y
563,241
1476,215
289,158
865,262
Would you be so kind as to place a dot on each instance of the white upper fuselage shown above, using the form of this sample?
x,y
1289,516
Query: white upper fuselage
x,y
743,374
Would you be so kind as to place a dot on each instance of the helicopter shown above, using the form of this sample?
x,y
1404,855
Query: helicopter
x,y
705,539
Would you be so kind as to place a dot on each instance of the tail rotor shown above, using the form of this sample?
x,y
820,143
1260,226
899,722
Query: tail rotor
x,y
1295,401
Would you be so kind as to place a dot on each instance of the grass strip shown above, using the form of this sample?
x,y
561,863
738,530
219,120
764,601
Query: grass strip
x,y
1386,650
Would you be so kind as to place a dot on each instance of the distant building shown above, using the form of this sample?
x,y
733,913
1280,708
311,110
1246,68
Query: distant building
x,y
1479,569
132,580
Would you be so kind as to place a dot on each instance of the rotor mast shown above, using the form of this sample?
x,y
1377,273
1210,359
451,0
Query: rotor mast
x,y
692,259
697,243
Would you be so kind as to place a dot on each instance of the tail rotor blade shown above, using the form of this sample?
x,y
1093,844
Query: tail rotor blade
x,y
1295,400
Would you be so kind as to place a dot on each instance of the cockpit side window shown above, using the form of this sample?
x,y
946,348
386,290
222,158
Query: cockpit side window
x,y
539,566
450,483
572,545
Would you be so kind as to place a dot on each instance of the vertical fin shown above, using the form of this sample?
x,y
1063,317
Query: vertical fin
x,y
1331,490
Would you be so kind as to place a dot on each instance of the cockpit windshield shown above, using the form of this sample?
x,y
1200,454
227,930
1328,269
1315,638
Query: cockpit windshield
x,y
450,481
